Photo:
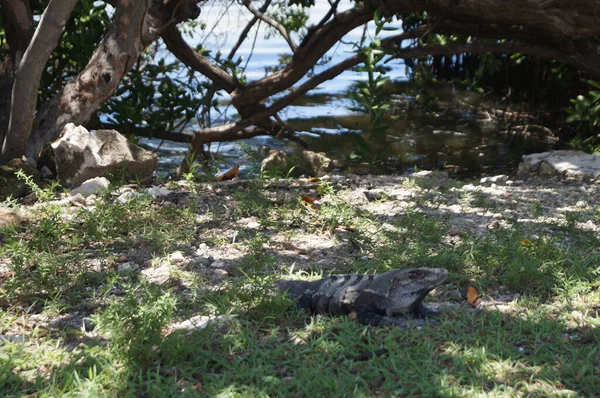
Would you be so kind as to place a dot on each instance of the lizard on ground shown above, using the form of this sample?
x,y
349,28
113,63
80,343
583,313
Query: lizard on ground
x,y
375,299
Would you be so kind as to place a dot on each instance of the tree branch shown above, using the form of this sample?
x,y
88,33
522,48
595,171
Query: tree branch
x,y
135,25
246,30
177,45
28,74
270,21
18,27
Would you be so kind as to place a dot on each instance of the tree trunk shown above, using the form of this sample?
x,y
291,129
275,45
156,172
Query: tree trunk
x,y
18,29
135,26
28,74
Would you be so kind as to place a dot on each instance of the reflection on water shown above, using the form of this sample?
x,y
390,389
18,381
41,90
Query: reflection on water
x,y
329,124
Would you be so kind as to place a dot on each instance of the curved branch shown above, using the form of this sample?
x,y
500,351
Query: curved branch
x,y
177,45
135,25
246,30
270,21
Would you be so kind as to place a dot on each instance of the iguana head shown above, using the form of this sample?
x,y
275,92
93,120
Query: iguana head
x,y
403,290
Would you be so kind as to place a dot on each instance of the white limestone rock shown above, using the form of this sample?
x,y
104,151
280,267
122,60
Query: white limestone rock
x,y
81,155
91,186
562,164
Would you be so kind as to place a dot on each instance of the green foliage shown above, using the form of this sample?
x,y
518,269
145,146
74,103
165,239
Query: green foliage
x,y
293,19
136,321
370,95
585,110
43,195
156,95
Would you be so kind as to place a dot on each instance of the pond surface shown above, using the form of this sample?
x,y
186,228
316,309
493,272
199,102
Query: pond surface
x,y
328,119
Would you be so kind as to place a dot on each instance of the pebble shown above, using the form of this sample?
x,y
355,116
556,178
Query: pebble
x,y
177,257
218,264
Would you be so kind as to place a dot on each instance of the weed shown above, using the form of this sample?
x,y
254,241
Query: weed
x,y
43,195
135,322
537,210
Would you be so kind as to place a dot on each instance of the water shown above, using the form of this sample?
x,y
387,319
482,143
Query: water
x,y
328,120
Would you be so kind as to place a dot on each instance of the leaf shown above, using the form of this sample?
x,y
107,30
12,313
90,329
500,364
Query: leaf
x,y
231,174
471,295
307,198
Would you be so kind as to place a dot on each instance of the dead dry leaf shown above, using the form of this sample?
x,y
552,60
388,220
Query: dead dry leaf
x,y
307,198
471,295
231,174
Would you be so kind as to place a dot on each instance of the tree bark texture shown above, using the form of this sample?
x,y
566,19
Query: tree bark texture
x,y
18,28
28,74
135,26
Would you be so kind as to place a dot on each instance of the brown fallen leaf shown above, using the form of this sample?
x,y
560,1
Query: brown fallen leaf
x,y
307,198
471,295
314,179
230,175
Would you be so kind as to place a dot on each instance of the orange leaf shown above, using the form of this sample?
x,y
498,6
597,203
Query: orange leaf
x,y
314,179
471,295
231,174
307,198
525,242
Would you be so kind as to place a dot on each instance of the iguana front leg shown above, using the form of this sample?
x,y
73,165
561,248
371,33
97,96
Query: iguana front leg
x,y
423,311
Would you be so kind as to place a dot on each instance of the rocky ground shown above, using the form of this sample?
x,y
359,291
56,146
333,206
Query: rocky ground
x,y
329,224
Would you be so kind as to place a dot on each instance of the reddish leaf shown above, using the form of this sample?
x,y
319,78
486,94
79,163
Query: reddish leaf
x,y
231,174
307,198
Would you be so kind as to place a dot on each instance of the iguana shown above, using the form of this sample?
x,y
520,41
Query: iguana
x,y
374,299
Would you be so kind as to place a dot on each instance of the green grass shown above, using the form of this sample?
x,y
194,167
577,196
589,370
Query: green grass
x,y
112,333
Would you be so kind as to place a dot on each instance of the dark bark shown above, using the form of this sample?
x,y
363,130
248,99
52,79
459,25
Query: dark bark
x,y
28,74
18,28
135,26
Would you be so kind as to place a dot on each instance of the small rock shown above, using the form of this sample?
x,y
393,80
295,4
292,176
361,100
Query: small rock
x,y
177,257
220,273
91,200
158,191
588,226
46,173
127,266
126,197
9,217
469,188
91,186
218,264
201,322
455,208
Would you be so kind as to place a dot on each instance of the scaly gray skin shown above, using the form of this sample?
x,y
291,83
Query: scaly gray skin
x,y
376,299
